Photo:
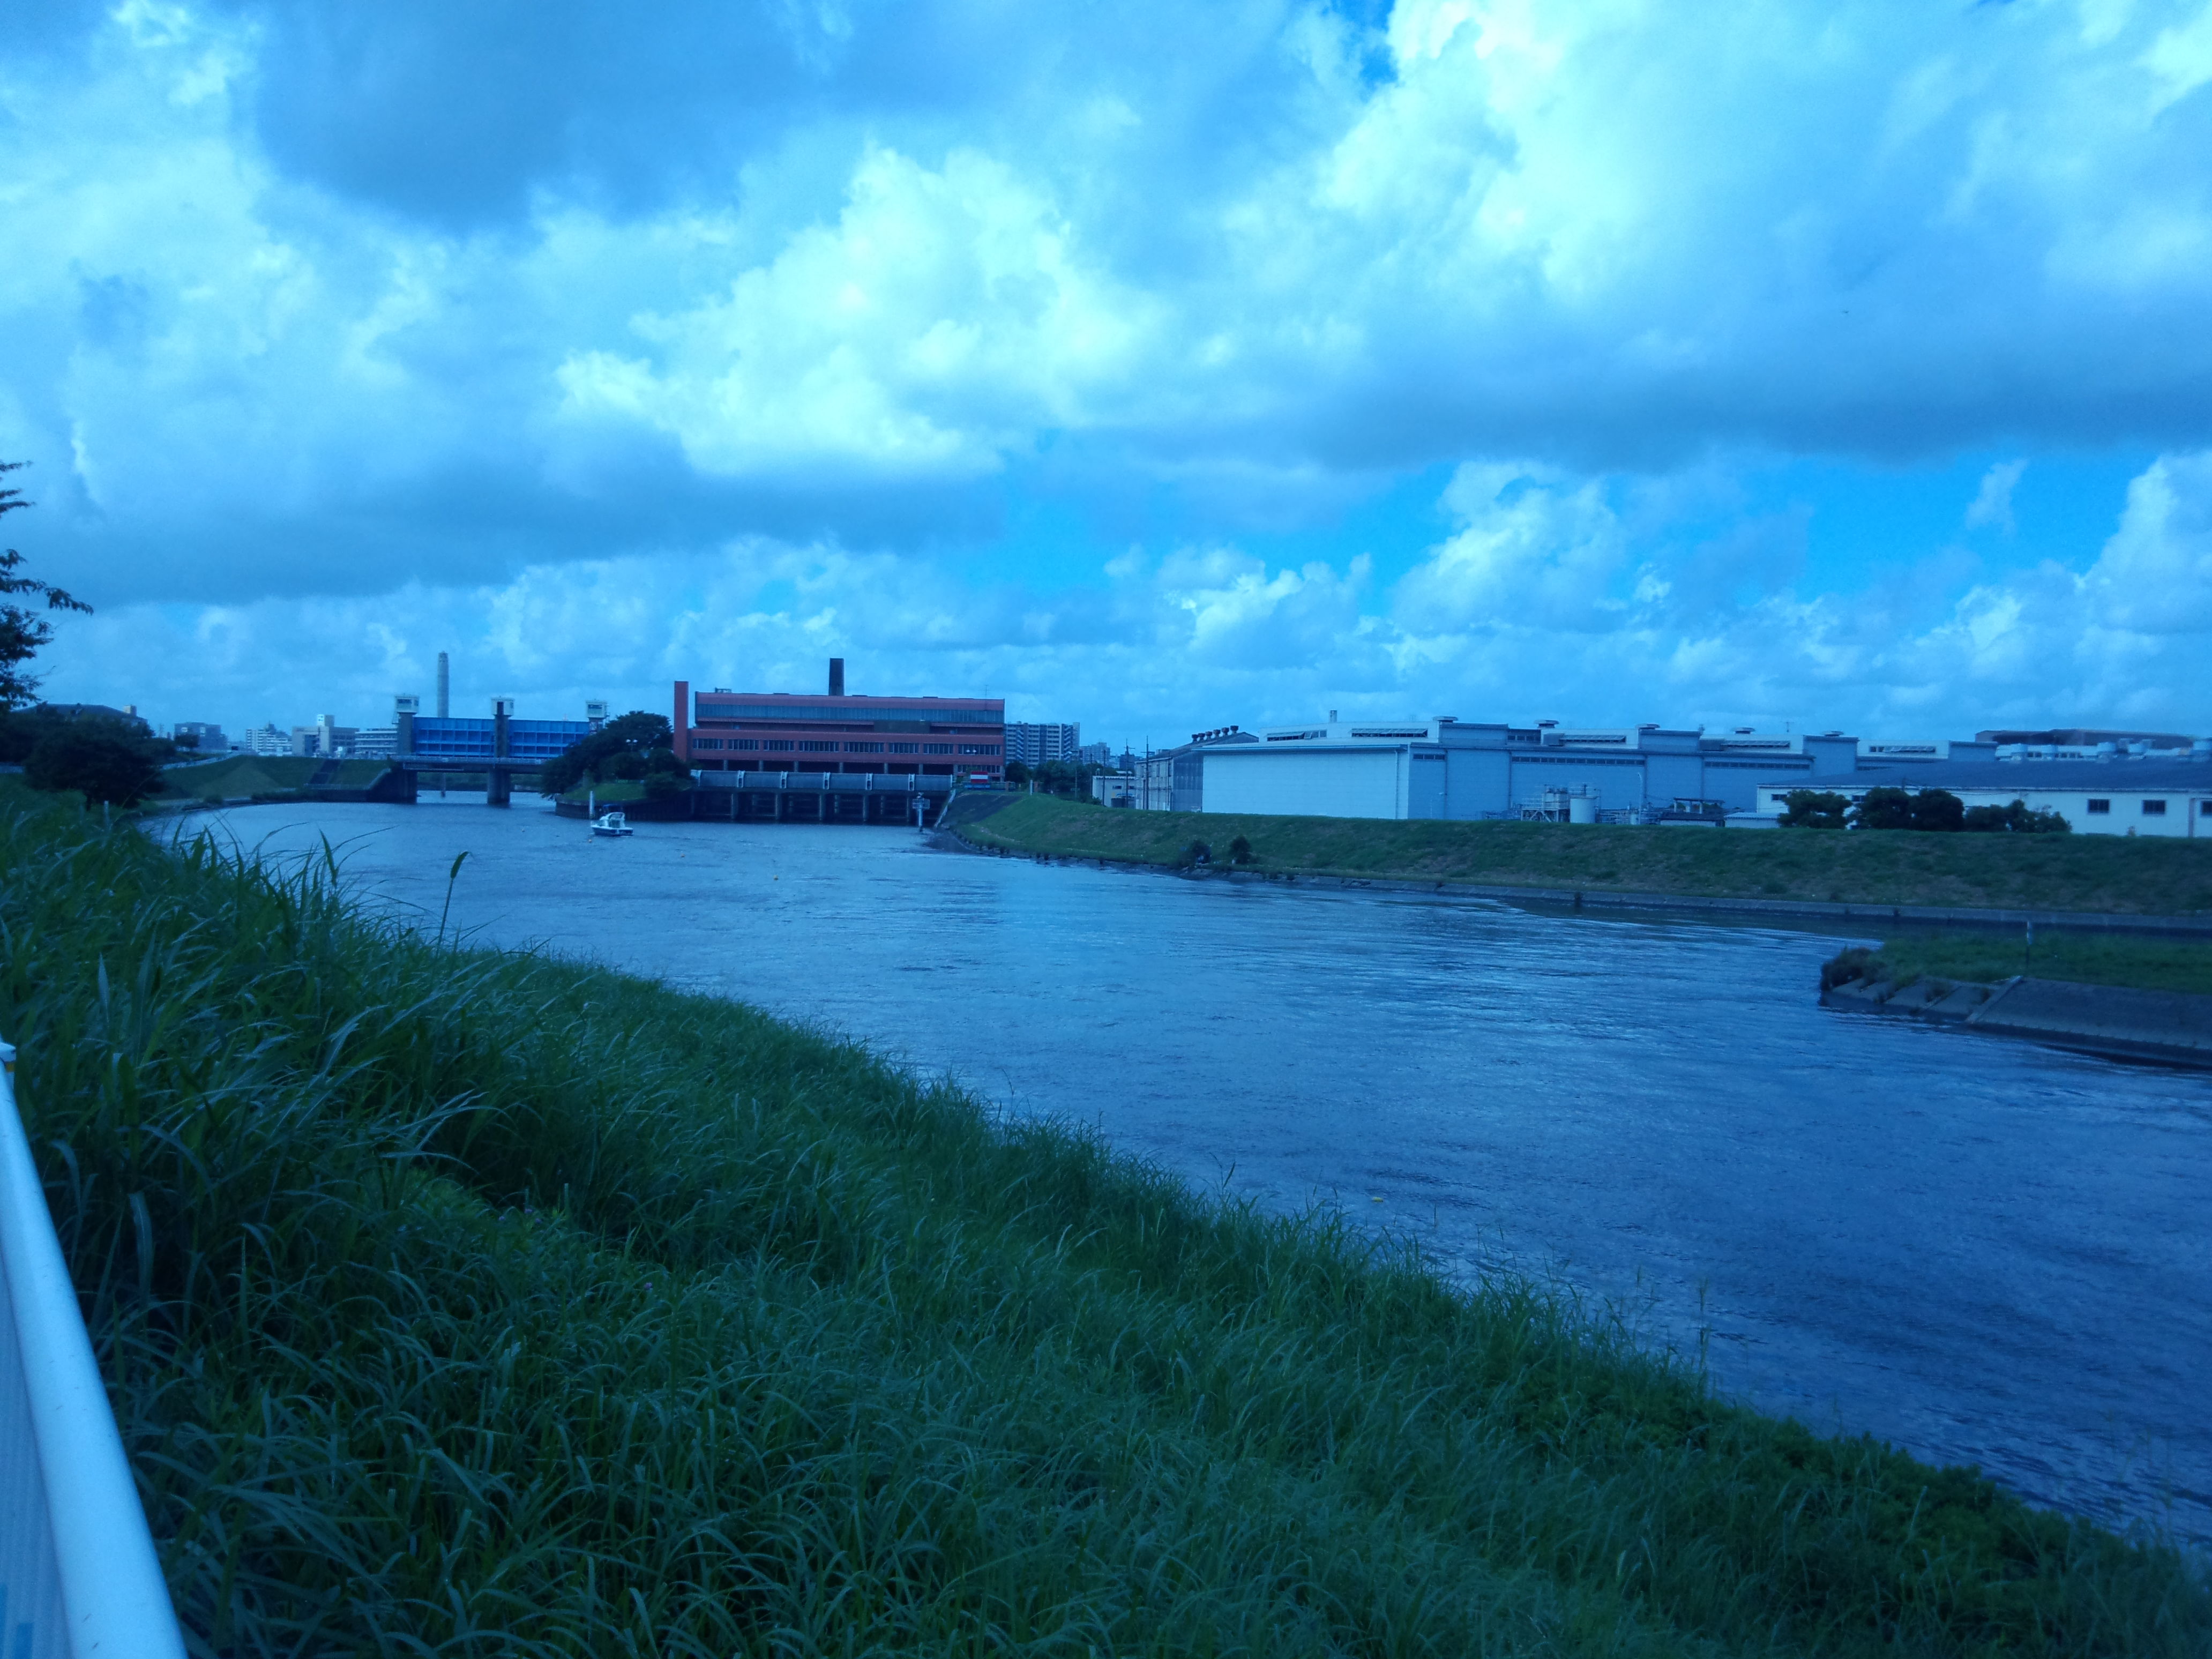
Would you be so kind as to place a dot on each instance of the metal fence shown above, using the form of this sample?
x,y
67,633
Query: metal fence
x,y
78,1575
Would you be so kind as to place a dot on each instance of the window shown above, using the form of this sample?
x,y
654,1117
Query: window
x,y
937,748
742,743
864,749
2153,809
815,746
781,744
905,748
2204,808
706,743
2097,806
979,748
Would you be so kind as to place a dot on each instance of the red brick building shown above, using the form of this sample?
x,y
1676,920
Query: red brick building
x,y
726,731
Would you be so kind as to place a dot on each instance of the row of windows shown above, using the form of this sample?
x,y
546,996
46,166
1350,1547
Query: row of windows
x,y
812,747
2151,809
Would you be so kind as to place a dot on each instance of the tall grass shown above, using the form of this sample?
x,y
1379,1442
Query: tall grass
x,y
1985,956
473,1302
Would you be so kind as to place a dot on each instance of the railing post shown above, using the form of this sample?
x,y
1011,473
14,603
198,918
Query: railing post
x,y
77,1566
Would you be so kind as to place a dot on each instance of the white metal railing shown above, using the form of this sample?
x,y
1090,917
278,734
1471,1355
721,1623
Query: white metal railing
x,y
78,1576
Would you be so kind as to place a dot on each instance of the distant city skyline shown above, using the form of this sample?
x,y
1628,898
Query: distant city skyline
x,y
1145,368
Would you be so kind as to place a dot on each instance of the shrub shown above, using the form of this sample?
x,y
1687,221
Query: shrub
x,y
1857,963
1196,854
1240,851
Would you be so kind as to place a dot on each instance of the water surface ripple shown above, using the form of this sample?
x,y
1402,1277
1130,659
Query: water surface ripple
x,y
1983,1250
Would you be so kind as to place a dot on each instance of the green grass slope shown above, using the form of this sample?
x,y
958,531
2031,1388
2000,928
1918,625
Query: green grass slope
x,y
482,1303
2143,875
234,776
1980,957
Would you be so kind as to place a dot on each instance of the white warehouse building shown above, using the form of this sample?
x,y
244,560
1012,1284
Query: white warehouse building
x,y
1444,767
2118,795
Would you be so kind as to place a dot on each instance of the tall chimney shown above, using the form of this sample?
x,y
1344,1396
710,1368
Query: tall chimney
x,y
445,689
836,676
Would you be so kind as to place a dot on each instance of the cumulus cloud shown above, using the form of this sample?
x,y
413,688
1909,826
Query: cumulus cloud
x,y
333,317
1992,502
1154,646
2155,574
1539,552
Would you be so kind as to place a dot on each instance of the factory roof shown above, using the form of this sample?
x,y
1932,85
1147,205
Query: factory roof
x,y
2119,773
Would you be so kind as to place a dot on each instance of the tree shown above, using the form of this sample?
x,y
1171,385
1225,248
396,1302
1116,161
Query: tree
x,y
635,746
1885,808
1815,809
106,762
1890,808
1240,851
2019,818
1938,809
1017,772
22,630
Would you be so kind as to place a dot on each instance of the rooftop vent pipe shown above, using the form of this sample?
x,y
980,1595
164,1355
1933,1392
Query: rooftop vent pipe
x,y
836,676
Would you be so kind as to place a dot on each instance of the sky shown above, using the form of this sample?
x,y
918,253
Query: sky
x,y
1155,367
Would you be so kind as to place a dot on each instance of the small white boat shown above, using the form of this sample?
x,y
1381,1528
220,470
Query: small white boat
x,y
612,824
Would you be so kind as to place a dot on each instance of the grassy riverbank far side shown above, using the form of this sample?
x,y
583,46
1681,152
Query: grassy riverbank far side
x,y
239,777
490,1303
2141,876
1978,956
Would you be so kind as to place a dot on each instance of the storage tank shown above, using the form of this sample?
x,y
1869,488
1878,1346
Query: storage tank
x,y
1582,808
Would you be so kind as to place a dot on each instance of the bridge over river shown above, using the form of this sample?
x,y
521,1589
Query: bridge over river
x,y
724,797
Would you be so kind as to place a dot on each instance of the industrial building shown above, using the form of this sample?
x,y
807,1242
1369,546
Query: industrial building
x,y
460,739
948,737
2119,793
1444,767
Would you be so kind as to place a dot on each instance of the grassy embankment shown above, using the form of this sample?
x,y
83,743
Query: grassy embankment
x,y
2141,875
615,791
484,1303
257,777
2097,873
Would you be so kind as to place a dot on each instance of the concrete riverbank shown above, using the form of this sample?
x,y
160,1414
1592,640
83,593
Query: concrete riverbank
x,y
2171,1026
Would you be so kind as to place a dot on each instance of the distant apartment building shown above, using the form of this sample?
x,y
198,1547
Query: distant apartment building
x,y
728,731
325,737
267,740
207,738
1035,744
1095,754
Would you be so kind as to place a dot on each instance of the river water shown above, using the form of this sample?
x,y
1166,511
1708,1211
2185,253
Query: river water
x,y
1983,1250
